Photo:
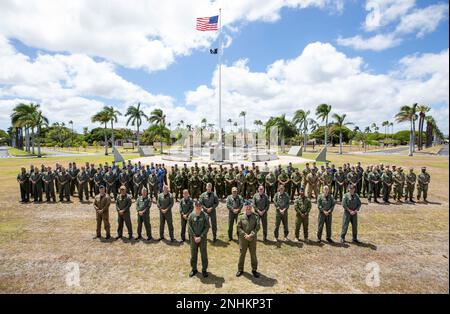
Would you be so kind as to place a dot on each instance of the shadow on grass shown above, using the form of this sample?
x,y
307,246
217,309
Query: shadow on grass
x,y
104,240
338,244
212,279
174,243
366,245
314,243
262,281
219,243
293,243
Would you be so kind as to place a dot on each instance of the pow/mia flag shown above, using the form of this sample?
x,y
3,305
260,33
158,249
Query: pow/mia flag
x,y
213,51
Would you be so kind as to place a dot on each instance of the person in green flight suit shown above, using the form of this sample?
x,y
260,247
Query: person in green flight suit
x,y
49,182
165,203
423,181
198,226
36,184
64,185
186,208
24,181
83,182
235,202
325,204
281,202
251,182
178,185
143,204
248,226
261,204
219,184
270,185
229,181
194,185
123,204
410,185
352,205
296,183
386,180
210,201
302,208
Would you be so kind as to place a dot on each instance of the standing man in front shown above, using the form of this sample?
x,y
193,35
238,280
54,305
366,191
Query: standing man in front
x,y
302,208
143,204
210,201
281,202
24,180
165,203
261,203
325,204
422,188
248,226
186,208
101,206
198,222
123,204
351,205
235,202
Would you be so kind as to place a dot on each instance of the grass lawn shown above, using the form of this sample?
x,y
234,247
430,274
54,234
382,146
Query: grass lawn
x,y
15,152
410,243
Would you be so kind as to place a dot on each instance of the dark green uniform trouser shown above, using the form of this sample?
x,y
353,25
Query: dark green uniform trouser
x,y
373,191
422,190
37,192
228,188
50,192
24,193
203,253
232,219
83,190
245,245
162,221
137,189
398,192
270,190
73,185
220,188
183,227
263,220
338,191
195,193
111,189
279,218
105,218
120,220
409,191
295,189
386,192
64,192
146,220
213,220
299,221
365,187
327,220
346,219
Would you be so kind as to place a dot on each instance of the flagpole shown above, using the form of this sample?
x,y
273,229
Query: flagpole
x,y
220,87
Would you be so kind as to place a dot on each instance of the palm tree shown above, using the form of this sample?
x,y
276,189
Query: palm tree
x,y
243,114
322,112
135,115
102,117
408,113
301,119
386,125
71,135
258,123
182,123
339,125
375,127
391,125
210,127
157,117
39,121
235,124
26,115
422,109
19,119
231,123
112,114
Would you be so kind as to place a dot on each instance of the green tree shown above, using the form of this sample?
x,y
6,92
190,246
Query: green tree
x,y
338,126
422,109
244,114
158,120
408,114
135,116
102,117
322,112
112,114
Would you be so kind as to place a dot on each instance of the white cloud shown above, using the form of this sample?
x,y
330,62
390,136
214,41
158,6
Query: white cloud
x,y
383,12
376,43
147,34
323,74
423,21
409,19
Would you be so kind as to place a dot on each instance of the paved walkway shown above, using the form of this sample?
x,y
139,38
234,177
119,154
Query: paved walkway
x,y
4,151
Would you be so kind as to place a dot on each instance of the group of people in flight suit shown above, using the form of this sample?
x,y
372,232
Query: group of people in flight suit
x,y
247,190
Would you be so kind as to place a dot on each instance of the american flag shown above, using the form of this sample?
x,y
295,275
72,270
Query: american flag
x,y
207,23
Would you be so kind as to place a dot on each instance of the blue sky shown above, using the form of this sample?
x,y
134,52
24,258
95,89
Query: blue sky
x,y
86,72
